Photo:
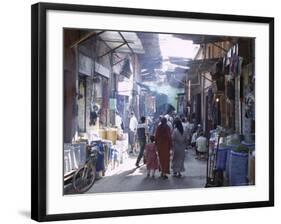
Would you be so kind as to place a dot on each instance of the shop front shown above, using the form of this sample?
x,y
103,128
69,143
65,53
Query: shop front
x,y
99,70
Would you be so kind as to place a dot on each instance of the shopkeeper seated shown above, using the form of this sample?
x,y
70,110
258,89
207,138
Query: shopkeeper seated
x,y
201,146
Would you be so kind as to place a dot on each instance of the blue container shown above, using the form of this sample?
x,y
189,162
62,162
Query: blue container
x,y
113,155
230,147
221,158
238,169
250,146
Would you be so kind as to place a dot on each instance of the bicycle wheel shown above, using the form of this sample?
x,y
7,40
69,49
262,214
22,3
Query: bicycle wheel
x,y
84,178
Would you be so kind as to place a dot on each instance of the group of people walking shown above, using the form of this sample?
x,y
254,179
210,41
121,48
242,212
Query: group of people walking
x,y
169,138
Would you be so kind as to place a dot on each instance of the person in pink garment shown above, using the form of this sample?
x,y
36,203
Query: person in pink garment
x,y
151,157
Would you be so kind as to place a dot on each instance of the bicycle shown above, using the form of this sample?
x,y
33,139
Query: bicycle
x,y
84,177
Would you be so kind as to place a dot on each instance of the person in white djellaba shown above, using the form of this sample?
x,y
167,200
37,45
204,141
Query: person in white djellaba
x,y
132,131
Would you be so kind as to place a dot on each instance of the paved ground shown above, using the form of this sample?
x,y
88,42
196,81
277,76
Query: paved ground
x,y
126,177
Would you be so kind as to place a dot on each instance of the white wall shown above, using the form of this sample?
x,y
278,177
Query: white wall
x,y
15,109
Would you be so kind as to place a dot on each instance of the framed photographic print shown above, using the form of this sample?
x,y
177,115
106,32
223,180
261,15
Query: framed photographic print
x,y
138,111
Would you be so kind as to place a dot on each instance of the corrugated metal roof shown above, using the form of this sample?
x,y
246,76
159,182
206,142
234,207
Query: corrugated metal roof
x,y
113,39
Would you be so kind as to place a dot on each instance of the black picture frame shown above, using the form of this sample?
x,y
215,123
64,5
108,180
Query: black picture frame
x,y
39,110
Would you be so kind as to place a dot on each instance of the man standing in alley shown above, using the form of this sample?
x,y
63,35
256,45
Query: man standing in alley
x,y
142,133
132,131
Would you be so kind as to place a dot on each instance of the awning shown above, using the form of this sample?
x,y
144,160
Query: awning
x,y
201,65
179,61
146,87
204,39
152,59
122,42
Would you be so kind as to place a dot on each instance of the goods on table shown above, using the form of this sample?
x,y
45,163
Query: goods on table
x,y
102,133
111,134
